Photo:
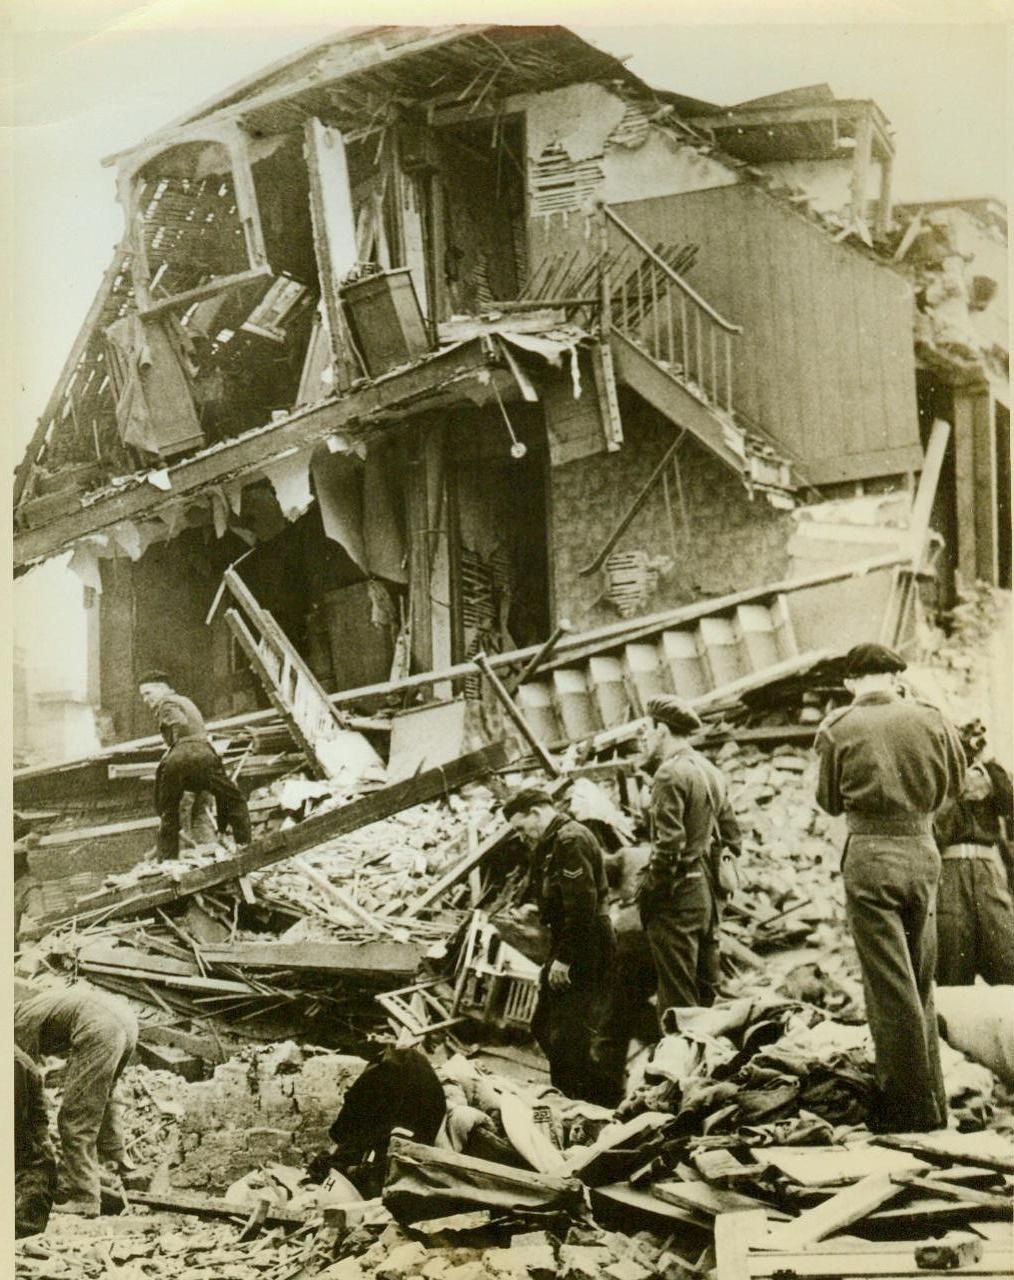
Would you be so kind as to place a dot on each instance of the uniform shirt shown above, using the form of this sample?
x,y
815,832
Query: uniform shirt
x,y
968,821
51,1021
570,877
689,803
887,757
179,719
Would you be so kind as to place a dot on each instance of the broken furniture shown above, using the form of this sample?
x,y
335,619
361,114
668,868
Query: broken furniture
x,y
385,319
494,983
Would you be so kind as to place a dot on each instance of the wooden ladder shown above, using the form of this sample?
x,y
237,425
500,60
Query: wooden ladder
x,y
290,684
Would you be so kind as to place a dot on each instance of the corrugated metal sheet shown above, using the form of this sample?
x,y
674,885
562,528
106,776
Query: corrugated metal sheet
x,y
825,363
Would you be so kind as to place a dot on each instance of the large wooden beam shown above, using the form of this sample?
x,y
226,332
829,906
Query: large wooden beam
x,y
252,450
975,484
280,845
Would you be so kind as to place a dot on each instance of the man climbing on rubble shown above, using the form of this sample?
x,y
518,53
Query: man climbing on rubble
x,y
34,1161
889,764
692,824
97,1035
975,912
190,765
569,878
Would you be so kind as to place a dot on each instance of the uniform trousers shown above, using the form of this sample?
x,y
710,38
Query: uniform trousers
x,y
98,1038
194,765
682,931
975,918
566,1021
890,902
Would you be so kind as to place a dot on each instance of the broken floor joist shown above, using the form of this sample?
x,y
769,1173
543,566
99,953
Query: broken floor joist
x,y
281,845
254,449
397,959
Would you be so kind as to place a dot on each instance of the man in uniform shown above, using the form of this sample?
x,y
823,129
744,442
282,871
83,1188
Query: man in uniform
x,y
190,765
889,764
975,914
97,1034
690,820
569,876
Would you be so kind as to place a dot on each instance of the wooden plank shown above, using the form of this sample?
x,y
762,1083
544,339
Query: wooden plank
x,y
199,1206
988,1150
712,1200
919,521
392,959
952,1191
994,1262
669,1216
281,845
831,1166
735,1233
839,1211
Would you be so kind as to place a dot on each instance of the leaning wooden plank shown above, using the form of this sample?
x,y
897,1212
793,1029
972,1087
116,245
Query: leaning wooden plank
x,y
841,1210
951,1191
836,1166
735,1234
280,845
392,959
210,1207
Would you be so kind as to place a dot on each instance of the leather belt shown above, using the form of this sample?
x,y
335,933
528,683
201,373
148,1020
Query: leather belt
x,y
888,824
968,851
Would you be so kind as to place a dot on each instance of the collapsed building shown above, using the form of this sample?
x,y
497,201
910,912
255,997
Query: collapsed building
x,y
450,393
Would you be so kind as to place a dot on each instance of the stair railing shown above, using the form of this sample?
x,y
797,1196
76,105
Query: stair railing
x,y
651,305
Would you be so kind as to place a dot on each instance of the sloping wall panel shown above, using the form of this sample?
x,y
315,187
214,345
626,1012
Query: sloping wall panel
x,y
825,363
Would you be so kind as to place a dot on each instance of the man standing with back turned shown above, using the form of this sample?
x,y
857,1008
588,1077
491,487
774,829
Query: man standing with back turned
x,y
889,764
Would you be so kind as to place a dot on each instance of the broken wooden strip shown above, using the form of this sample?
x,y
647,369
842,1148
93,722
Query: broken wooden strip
x,y
858,1262
495,840
390,959
840,1210
952,1191
625,1200
338,895
712,1200
281,845
197,1046
213,1207
836,1166
987,1149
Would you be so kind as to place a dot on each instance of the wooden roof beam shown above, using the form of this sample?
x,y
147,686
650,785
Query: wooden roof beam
x,y
404,392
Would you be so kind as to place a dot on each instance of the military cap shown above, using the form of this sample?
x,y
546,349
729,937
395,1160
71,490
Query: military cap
x,y
154,677
524,800
873,660
673,712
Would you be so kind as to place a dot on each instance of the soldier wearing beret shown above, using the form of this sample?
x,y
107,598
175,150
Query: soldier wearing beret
x,y
888,764
690,815
569,876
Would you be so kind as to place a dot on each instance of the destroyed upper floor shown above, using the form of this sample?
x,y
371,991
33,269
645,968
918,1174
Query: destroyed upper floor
x,y
507,171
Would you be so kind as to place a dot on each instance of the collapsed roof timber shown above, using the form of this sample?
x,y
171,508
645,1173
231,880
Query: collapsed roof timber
x,y
453,332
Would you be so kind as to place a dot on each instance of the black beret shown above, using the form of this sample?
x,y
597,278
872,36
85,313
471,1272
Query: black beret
x,y
524,800
873,660
154,677
673,712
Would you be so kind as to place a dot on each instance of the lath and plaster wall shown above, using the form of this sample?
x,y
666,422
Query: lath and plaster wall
x,y
728,543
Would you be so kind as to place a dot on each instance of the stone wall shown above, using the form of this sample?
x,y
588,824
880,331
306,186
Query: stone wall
x,y
728,543
273,1104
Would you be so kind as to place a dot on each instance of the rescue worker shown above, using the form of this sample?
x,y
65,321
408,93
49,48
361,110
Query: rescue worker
x,y
34,1160
190,765
975,912
400,1090
691,822
569,877
889,764
97,1035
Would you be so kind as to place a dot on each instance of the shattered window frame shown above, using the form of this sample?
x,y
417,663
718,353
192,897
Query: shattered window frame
x,y
235,142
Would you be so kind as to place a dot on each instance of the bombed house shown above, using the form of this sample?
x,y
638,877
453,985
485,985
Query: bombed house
x,y
451,394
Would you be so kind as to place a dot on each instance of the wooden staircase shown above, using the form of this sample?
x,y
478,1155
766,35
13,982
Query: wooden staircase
x,y
674,350
709,658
